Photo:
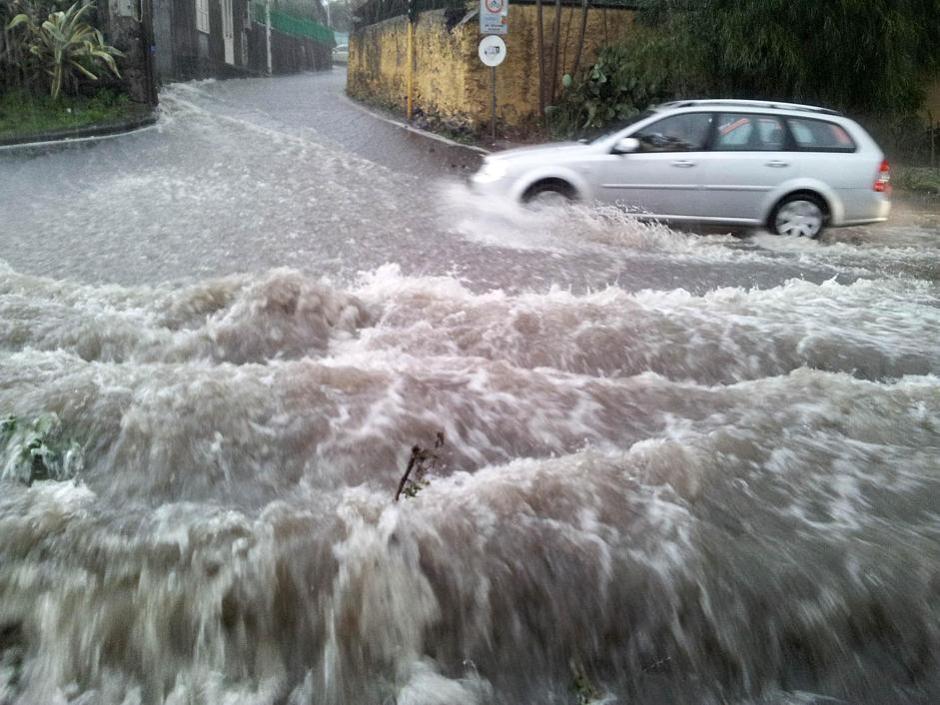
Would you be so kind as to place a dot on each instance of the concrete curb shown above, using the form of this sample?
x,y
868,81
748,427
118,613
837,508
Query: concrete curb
x,y
416,130
78,135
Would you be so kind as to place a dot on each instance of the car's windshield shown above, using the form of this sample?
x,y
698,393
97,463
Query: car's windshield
x,y
616,127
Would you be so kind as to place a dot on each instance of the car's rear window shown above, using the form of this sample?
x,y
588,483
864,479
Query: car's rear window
x,y
820,136
747,132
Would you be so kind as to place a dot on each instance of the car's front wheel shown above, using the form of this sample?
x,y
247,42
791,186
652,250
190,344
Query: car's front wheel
x,y
549,193
799,215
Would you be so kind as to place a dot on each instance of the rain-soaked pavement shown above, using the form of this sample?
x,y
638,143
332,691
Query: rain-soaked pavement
x,y
250,175
677,468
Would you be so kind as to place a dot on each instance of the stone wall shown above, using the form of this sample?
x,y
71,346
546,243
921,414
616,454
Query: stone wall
x,y
451,83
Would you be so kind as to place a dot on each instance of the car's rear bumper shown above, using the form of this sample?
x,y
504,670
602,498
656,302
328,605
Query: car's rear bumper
x,y
860,206
867,221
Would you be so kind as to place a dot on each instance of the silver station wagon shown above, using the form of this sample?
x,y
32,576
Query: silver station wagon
x,y
794,169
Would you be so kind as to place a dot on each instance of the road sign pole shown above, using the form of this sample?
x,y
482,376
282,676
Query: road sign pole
x,y
493,108
492,52
494,21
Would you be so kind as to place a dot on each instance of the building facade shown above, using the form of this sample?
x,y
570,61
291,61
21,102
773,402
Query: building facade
x,y
231,38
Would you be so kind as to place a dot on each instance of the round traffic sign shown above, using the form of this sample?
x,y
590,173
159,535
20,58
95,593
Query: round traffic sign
x,y
492,50
494,6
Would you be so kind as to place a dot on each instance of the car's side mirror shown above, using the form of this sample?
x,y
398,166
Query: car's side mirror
x,y
626,145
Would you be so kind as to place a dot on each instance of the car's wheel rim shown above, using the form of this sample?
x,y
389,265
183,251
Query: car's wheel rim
x,y
799,219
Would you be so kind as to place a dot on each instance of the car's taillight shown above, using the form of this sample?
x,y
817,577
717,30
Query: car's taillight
x,y
883,182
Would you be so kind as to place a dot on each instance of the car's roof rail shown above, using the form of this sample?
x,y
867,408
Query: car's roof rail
x,y
769,104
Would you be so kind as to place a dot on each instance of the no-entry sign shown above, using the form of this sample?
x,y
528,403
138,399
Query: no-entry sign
x,y
494,16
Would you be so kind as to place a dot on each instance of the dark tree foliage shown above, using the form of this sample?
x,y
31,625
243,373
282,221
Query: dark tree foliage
x,y
869,56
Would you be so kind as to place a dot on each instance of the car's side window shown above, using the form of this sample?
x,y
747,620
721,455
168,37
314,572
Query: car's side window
x,y
747,132
679,133
820,136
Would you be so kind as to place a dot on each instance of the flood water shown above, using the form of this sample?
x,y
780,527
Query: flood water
x,y
677,468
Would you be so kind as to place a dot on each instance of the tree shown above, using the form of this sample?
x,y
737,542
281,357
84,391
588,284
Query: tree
x,y
340,15
862,55
868,57
540,50
579,49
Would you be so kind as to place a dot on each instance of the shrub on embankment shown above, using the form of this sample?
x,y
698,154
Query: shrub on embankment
x,y
47,45
56,70
870,58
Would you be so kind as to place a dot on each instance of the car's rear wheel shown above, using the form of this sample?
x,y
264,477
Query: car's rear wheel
x,y
549,193
799,215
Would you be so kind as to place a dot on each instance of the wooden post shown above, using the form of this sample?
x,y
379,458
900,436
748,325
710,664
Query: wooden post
x,y
556,53
540,50
581,33
409,100
933,138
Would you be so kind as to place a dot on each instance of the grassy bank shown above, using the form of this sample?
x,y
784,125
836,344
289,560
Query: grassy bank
x,y
23,114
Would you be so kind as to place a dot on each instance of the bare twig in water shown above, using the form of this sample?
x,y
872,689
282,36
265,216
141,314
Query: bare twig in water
x,y
657,665
420,462
415,452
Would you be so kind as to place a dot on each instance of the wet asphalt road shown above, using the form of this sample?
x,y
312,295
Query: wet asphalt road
x,y
247,175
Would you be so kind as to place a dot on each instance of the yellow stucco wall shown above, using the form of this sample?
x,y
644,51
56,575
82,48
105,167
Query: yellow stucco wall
x,y
449,79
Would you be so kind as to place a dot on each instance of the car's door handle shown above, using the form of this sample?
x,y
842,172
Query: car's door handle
x,y
778,164
683,164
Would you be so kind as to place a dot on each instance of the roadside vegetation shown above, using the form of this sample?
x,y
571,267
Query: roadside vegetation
x,y
56,70
925,180
871,58
23,113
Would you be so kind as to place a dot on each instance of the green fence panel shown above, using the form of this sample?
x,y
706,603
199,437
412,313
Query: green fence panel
x,y
294,26
375,11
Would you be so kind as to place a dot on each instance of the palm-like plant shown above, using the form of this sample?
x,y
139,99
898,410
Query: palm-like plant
x,y
66,45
